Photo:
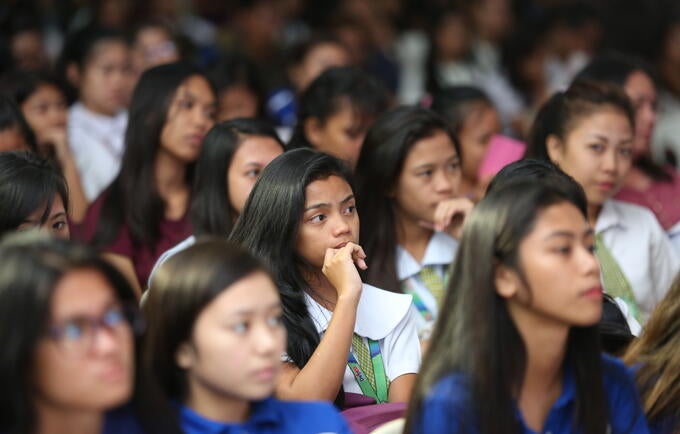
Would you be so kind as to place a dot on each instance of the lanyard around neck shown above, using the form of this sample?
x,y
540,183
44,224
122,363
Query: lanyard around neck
x,y
380,395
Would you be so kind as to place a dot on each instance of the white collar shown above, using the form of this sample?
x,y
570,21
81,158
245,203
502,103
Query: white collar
x,y
441,250
610,216
378,313
117,120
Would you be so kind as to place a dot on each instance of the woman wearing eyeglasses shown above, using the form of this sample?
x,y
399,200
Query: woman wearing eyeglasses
x,y
67,327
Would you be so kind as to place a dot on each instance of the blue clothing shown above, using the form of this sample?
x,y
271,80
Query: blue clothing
x,y
272,416
446,408
122,421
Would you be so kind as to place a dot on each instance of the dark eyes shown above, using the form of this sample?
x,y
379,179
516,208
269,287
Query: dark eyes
x,y
272,321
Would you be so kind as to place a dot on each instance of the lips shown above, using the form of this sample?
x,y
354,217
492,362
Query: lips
x,y
265,374
594,292
606,185
196,139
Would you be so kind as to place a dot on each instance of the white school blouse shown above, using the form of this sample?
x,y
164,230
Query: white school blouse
x,y
382,316
188,242
97,143
439,253
642,248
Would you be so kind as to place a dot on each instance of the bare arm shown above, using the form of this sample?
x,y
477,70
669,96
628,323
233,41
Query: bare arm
x,y
78,202
401,387
322,376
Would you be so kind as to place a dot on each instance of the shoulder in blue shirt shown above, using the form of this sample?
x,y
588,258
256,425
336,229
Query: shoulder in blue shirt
x,y
447,407
272,416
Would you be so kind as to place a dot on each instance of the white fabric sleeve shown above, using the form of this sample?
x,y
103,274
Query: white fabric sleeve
x,y
401,348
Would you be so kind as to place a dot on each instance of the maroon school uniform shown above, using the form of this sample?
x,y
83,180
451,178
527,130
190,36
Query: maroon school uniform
x,y
661,198
143,258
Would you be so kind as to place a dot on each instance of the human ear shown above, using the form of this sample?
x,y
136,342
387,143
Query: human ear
x,y
555,148
313,131
507,281
73,74
184,356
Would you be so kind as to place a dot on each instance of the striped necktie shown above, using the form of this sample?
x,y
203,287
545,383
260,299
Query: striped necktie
x,y
363,358
615,282
433,282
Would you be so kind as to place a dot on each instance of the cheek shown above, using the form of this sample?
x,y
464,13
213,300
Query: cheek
x,y
57,379
219,362
309,248
239,189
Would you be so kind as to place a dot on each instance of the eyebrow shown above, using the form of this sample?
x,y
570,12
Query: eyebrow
x,y
424,165
58,215
244,312
326,204
186,93
569,234
113,302
605,139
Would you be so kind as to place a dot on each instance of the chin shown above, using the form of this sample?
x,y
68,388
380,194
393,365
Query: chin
x,y
258,392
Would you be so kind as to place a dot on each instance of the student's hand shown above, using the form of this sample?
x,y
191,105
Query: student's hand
x,y
340,268
450,216
55,142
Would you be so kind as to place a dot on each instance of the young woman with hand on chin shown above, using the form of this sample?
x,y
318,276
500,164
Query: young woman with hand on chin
x,y
301,219
409,171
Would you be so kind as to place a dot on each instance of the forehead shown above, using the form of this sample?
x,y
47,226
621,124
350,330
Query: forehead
x,y
252,293
638,83
46,90
196,86
560,217
257,147
434,147
81,292
332,189
107,48
605,121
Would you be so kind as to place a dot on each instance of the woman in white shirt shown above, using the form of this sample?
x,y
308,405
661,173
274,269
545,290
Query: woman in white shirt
x,y
408,177
98,64
588,131
301,219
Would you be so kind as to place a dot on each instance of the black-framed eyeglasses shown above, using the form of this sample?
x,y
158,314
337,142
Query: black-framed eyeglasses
x,y
77,335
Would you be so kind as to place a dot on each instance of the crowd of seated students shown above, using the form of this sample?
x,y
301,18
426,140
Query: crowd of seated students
x,y
175,257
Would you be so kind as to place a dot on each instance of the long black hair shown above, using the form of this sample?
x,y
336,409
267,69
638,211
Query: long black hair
x,y
491,353
132,198
210,211
268,227
25,299
382,157
11,117
28,182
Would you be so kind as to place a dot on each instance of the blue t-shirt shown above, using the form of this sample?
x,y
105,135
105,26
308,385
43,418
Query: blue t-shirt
x,y
272,416
446,409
